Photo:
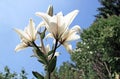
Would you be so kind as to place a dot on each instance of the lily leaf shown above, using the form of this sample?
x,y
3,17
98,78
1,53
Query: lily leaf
x,y
50,52
42,35
52,64
37,75
41,61
41,56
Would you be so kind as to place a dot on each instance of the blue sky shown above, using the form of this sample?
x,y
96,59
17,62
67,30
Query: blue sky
x,y
16,14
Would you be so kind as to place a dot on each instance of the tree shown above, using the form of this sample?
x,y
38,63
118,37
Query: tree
x,y
98,52
23,74
7,74
109,8
67,71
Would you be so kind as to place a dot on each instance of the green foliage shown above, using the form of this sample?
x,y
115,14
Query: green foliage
x,y
83,58
23,74
108,8
69,71
7,74
66,71
98,53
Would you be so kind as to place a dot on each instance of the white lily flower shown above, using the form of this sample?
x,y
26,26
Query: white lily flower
x,y
58,26
27,36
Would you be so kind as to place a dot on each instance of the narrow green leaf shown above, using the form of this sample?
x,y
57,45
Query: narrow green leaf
x,y
41,56
41,61
52,64
50,52
37,75
42,35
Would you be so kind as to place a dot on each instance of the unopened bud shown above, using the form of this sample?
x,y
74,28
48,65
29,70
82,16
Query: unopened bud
x,y
50,10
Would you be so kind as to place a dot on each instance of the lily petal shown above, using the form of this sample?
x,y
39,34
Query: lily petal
x,y
40,25
50,35
44,16
68,47
76,28
31,29
70,17
22,34
60,23
47,48
20,46
73,37
53,28
57,54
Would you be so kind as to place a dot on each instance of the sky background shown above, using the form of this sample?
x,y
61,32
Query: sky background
x,y
16,14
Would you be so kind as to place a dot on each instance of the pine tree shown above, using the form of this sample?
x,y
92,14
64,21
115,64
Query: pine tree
x,y
109,7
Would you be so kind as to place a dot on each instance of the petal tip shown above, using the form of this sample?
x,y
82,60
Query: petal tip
x,y
77,11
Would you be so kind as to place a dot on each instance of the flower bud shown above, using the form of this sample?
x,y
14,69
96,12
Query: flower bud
x,y
50,10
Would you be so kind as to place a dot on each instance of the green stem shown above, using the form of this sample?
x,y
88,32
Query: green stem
x,y
54,50
43,47
34,45
48,75
56,43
